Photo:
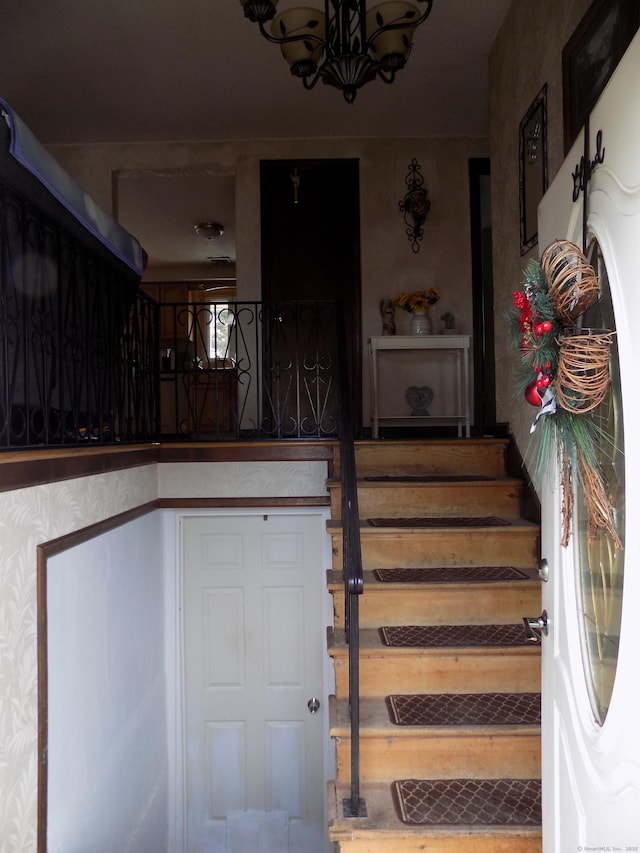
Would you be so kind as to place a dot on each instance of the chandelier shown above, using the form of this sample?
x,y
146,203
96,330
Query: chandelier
x,y
345,46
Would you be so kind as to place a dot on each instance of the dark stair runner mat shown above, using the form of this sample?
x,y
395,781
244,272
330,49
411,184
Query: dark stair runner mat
x,y
468,802
454,635
467,709
444,521
427,478
449,574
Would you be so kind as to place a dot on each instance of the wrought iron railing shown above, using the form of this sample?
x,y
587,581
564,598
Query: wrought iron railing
x,y
248,370
78,341
81,351
87,358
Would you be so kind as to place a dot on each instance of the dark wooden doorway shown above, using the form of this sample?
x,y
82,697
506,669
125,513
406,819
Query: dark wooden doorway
x,y
310,213
484,376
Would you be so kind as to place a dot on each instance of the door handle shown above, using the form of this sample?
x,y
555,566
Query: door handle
x,y
536,627
313,705
543,570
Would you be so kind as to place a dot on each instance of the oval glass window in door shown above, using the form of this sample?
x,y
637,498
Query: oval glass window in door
x,y
600,565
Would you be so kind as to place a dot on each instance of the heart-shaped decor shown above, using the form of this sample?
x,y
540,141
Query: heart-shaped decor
x,y
419,399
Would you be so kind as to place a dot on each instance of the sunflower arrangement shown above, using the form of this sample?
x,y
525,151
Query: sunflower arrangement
x,y
563,372
418,301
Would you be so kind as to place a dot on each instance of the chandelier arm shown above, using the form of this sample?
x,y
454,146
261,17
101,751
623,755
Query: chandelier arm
x,y
288,39
400,25
329,15
362,21
310,83
386,76
343,28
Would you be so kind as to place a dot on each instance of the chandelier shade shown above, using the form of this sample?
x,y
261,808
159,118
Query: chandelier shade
x,y
390,47
346,45
305,28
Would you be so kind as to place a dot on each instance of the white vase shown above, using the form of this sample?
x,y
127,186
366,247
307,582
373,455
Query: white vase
x,y
421,323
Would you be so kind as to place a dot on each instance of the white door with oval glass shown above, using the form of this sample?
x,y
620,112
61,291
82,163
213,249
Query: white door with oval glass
x,y
591,690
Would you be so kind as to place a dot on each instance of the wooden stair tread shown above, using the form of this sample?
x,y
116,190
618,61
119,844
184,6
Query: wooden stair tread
x,y
513,524
429,481
372,645
375,722
482,441
382,824
335,581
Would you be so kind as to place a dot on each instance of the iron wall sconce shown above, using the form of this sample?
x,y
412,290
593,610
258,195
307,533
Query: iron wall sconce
x,y
415,205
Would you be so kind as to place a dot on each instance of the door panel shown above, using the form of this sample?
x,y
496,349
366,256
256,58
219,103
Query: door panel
x,y
311,251
591,761
253,648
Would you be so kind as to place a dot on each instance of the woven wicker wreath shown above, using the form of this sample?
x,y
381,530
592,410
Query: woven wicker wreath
x,y
582,378
573,283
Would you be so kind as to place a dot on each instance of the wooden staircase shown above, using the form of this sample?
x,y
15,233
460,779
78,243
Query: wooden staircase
x,y
464,772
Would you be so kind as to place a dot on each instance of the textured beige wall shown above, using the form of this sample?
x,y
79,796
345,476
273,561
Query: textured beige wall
x,y
242,479
28,518
388,264
526,54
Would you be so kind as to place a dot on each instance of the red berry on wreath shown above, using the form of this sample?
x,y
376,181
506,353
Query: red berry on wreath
x,y
520,300
544,327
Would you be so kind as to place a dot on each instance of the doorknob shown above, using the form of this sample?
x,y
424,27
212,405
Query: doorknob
x,y
313,705
536,627
543,570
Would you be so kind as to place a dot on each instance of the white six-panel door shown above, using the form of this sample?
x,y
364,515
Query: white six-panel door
x,y
253,652
591,766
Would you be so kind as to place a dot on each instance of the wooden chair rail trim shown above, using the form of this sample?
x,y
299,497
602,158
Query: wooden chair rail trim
x,y
20,470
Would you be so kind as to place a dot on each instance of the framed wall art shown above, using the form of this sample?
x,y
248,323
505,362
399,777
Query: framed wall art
x,y
533,168
590,57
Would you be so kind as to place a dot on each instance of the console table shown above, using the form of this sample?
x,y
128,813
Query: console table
x,y
457,345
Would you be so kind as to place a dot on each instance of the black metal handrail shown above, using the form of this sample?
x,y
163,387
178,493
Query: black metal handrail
x,y
354,805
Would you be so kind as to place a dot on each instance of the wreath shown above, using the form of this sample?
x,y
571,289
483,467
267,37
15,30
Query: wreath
x,y
564,372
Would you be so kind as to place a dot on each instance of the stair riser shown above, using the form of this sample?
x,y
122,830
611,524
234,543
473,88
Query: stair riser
x,y
442,605
459,499
383,759
500,546
503,672
471,458
486,842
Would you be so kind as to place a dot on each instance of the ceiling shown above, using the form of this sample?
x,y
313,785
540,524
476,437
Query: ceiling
x,y
162,210
81,71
